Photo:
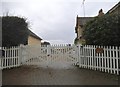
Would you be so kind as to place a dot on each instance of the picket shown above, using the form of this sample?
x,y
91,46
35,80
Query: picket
x,y
83,56
107,61
10,57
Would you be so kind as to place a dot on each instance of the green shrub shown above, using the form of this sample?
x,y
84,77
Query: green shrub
x,y
103,30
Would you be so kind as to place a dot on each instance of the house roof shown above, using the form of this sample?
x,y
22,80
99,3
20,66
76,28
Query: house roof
x,y
83,20
114,8
34,35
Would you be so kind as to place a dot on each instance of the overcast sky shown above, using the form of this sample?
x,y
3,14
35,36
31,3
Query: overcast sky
x,y
54,20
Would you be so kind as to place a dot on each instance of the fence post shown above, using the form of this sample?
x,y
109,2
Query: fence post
x,y
21,54
0,57
48,54
79,55
76,54
118,59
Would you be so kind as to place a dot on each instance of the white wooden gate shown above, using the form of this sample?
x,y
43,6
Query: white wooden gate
x,y
108,60
35,55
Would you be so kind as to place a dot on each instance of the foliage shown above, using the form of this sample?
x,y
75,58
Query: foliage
x,y
103,30
45,43
14,31
75,41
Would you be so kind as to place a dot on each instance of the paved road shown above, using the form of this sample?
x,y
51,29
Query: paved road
x,y
64,75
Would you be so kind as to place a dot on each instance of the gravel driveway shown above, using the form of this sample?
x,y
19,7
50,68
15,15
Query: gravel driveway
x,y
56,74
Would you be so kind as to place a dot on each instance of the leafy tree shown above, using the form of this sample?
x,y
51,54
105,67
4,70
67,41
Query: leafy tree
x,y
14,31
103,30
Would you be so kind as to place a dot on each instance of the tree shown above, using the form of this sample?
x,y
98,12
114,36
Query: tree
x,y
75,41
45,43
14,31
103,30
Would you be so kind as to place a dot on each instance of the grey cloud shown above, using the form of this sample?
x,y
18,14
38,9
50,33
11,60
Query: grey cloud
x,y
54,20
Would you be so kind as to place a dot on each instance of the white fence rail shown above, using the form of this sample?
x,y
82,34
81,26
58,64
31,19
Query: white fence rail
x,y
105,59
10,57
36,55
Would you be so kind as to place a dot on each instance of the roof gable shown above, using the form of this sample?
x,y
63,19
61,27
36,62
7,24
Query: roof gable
x,y
116,7
83,20
34,35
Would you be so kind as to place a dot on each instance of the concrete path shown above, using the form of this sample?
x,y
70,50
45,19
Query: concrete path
x,y
56,74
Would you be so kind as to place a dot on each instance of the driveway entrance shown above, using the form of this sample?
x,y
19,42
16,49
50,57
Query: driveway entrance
x,y
56,74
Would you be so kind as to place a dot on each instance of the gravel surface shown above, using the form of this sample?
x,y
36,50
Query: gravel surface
x,y
56,74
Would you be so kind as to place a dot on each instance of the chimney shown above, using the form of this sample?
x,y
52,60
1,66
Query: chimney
x,y
100,12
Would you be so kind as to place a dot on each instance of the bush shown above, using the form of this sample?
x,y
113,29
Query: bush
x,y
103,30
14,31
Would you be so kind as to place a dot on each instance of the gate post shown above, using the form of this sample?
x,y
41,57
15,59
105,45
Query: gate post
x,y
76,54
21,56
0,57
48,54
80,53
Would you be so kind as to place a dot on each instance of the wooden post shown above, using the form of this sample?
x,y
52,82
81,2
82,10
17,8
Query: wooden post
x,y
21,54
118,60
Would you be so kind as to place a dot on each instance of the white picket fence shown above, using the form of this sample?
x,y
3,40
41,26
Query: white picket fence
x,y
85,56
10,57
107,61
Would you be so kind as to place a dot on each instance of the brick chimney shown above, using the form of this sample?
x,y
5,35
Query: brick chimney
x,y
100,12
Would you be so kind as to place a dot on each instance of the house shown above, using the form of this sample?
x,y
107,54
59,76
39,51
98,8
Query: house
x,y
81,21
114,9
33,39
